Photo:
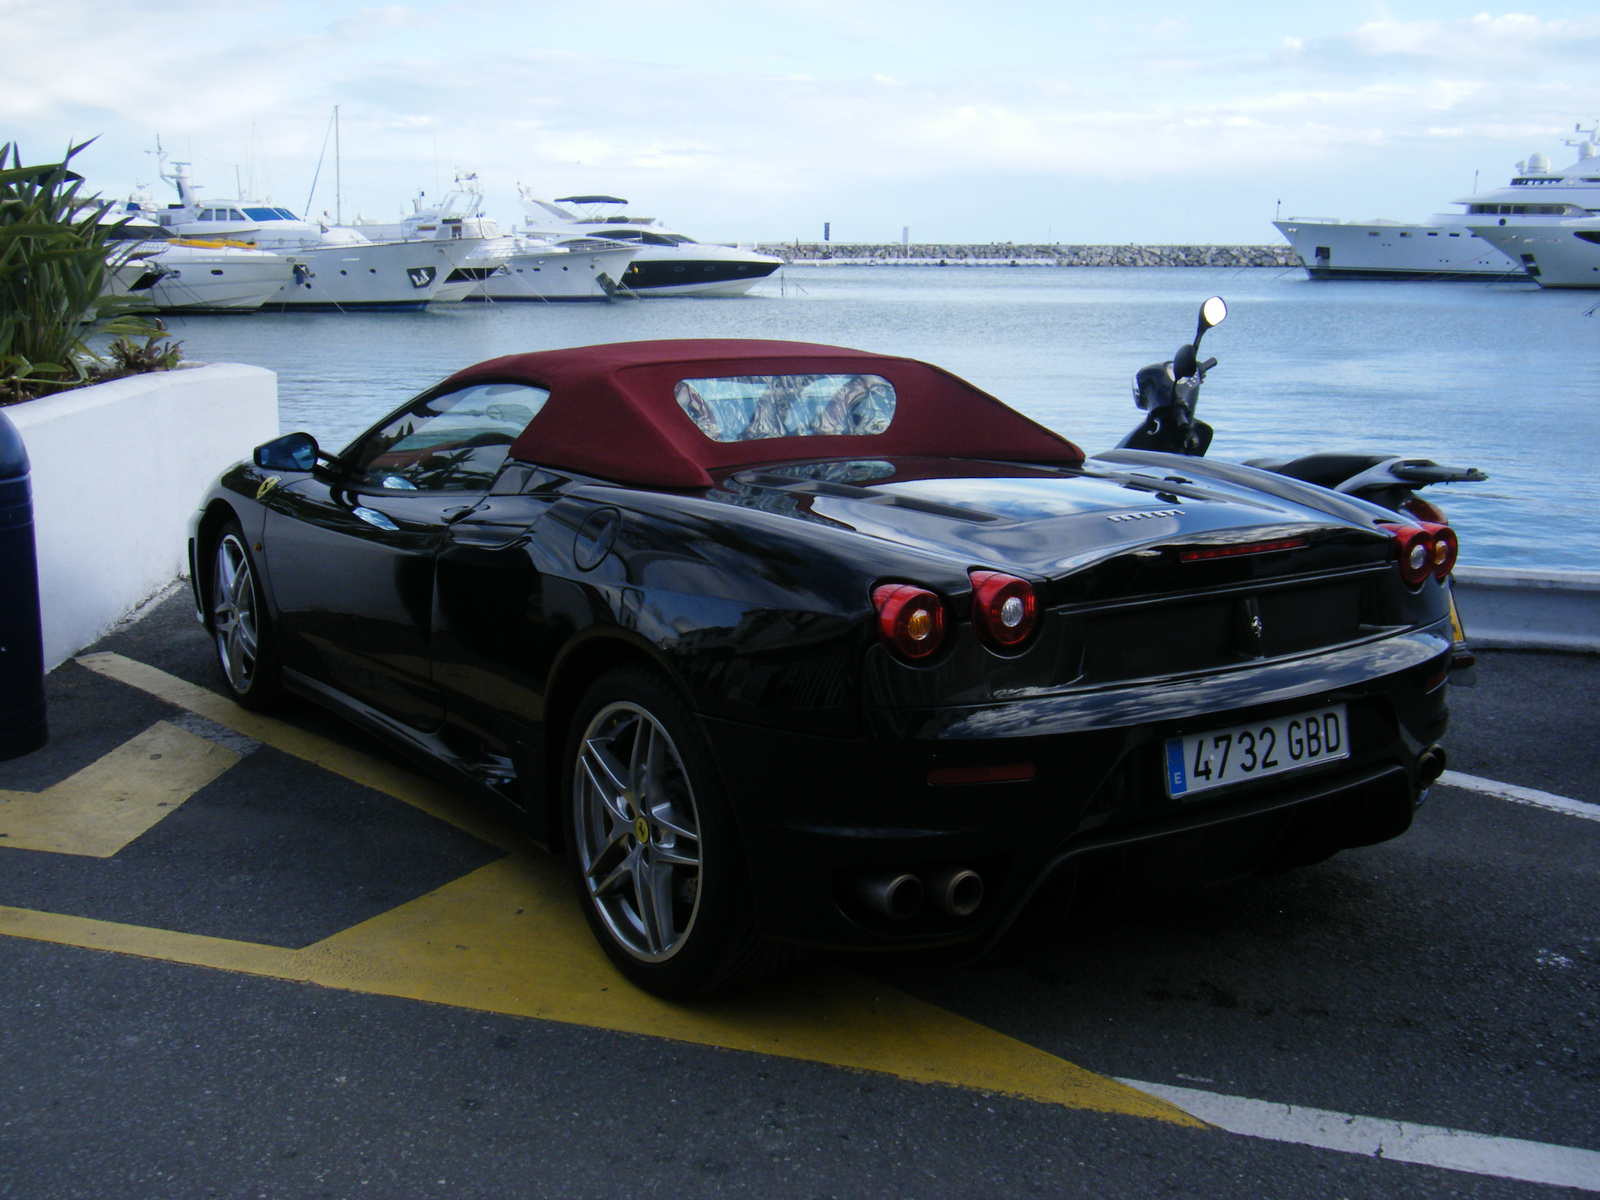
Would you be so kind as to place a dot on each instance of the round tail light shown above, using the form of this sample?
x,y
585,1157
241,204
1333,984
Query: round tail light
x,y
1445,548
1426,549
1004,608
911,619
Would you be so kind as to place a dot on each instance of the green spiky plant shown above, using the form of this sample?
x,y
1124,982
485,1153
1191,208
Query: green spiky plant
x,y
56,262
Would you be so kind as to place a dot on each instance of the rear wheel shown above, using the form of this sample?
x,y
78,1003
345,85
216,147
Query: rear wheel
x,y
247,648
652,843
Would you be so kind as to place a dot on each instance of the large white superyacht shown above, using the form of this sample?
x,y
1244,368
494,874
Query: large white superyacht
x,y
1560,254
1452,245
333,267
668,263
1559,250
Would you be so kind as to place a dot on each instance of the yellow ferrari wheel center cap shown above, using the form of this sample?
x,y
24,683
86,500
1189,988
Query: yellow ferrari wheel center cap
x,y
641,829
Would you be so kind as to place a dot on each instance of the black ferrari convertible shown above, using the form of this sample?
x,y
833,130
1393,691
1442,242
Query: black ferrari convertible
x,y
791,645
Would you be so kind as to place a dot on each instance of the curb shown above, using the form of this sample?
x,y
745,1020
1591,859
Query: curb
x,y
1507,608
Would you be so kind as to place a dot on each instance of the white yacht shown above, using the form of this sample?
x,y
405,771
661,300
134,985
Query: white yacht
x,y
1559,254
667,264
189,275
333,268
1452,245
516,266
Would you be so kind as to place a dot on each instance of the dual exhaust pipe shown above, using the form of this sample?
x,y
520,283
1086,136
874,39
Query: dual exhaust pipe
x,y
900,895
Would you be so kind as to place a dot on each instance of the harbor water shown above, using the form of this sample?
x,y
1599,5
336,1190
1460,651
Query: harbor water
x,y
1500,376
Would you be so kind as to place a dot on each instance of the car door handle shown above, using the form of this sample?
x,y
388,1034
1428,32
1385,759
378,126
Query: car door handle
x,y
375,518
451,515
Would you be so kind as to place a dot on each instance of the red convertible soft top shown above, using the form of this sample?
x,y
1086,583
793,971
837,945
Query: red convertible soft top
x,y
612,411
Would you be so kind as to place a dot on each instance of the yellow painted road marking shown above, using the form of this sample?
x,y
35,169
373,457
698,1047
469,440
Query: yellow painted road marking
x,y
509,938
416,790
110,802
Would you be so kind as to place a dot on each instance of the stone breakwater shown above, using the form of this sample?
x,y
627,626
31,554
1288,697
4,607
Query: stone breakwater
x,y
1002,254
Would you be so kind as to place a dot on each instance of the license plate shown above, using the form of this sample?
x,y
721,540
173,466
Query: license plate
x,y
1219,757
1456,629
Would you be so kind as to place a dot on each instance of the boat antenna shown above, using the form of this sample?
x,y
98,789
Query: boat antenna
x,y
317,174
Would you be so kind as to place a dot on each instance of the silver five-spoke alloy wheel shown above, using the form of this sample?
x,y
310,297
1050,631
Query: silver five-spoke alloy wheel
x,y
637,832
233,614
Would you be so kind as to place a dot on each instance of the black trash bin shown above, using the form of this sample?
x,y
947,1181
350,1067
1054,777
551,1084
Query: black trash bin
x,y
22,718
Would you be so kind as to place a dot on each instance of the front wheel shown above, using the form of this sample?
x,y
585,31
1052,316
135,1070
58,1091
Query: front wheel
x,y
652,844
246,645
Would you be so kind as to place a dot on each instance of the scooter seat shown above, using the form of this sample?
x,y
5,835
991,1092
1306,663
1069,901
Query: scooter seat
x,y
1324,470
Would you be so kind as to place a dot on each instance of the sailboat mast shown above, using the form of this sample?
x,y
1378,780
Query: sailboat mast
x,y
338,177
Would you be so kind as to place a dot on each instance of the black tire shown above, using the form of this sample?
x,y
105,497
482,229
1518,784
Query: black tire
x,y
652,845
246,643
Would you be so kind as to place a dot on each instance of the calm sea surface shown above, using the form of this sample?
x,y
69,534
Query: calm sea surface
x,y
1504,377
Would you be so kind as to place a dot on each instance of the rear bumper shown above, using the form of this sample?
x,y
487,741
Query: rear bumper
x,y
819,816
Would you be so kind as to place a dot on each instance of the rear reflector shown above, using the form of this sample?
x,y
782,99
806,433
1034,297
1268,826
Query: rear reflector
x,y
945,776
1204,552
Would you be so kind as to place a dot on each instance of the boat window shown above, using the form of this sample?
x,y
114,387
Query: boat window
x,y
454,442
747,408
235,215
264,214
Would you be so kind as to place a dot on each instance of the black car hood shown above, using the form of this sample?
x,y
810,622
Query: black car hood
x,y
1045,521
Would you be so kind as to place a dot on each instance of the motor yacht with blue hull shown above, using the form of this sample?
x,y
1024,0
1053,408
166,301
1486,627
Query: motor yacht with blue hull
x,y
1455,245
666,263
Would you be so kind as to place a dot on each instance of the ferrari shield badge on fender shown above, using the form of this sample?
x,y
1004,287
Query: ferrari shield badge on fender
x,y
267,484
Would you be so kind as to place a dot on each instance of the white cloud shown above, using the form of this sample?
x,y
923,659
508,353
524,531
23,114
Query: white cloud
x,y
762,121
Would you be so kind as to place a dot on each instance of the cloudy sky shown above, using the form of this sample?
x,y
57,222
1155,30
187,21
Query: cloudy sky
x,y
1070,122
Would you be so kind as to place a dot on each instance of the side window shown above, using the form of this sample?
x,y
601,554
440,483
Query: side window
x,y
454,442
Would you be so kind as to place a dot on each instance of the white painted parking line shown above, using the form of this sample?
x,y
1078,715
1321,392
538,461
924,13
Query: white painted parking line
x,y
1428,1145
1522,795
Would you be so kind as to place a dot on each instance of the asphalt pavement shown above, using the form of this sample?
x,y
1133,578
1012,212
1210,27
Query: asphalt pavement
x,y
255,986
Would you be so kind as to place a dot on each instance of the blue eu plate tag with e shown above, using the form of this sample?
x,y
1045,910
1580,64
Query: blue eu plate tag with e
x,y
1177,782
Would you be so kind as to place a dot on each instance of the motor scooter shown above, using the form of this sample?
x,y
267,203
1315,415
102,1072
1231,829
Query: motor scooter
x,y
1168,393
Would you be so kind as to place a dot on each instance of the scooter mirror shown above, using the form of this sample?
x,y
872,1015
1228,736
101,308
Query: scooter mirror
x,y
1212,313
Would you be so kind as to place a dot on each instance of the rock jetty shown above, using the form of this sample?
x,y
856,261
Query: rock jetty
x,y
1002,254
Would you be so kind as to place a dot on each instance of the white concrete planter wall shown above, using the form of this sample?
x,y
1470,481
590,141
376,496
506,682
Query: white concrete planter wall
x,y
117,469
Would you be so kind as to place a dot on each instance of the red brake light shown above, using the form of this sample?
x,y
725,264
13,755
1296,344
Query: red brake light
x,y
1426,549
1422,510
1204,552
1445,548
910,619
1004,608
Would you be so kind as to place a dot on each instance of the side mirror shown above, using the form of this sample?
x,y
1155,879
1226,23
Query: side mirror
x,y
1212,313
291,452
